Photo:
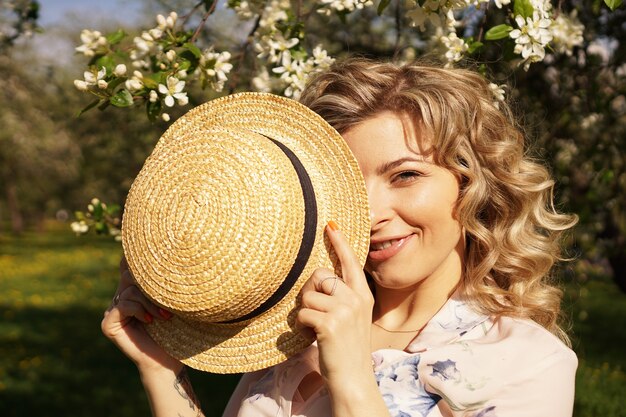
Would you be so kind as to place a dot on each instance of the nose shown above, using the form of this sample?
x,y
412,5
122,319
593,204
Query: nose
x,y
381,210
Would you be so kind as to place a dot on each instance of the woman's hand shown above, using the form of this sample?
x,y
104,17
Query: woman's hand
x,y
124,323
339,311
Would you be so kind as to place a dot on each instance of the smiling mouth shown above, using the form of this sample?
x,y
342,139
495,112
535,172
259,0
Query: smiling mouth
x,y
384,245
381,251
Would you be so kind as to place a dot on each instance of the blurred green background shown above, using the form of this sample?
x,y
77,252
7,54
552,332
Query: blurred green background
x,y
54,286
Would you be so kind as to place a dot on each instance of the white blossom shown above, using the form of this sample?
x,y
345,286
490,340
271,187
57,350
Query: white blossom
x,y
567,33
135,83
272,48
215,66
274,12
531,37
439,13
292,74
120,70
295,72
542,7
164,23
343,5
429,12
455,46
246,10
153,96
591,120
165,117
288,65
500,3
171,19
92,78
602,49
498,93
170,55
264,82
173,90
116,233
79,227
81,85
321,58
92,41
145,46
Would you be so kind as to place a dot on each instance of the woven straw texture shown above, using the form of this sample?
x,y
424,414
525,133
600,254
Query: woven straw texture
x,y
214,220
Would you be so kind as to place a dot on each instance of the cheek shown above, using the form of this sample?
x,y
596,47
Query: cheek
x,y
433,202
435,211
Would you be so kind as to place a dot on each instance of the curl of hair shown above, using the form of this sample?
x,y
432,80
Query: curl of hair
x,y
506,198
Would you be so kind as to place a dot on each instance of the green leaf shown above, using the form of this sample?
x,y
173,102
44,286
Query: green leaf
x,y
299,53
523,8
188,61
122,98
193,49
88,107
382,6
613,4
105,61
116,37
97,211
184,65
112,209
101,228
474,46
498,32
95,59
117,81
607,176
152,81
104,103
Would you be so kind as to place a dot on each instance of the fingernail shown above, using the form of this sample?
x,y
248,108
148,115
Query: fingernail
x,y
148,317
333,226
165,314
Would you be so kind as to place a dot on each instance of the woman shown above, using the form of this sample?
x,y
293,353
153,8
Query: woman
x,y
454,314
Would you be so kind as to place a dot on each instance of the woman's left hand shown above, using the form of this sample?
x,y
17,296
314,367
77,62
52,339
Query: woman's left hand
x,y
339,311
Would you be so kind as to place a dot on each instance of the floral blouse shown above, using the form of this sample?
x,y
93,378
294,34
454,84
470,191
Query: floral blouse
x,y
462,364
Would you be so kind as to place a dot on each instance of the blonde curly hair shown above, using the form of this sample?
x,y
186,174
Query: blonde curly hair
x,y
506,198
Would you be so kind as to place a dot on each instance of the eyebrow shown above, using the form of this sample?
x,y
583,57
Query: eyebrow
x,y
388,166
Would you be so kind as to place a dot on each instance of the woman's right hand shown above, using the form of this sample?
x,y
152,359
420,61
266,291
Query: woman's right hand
x,y
125,320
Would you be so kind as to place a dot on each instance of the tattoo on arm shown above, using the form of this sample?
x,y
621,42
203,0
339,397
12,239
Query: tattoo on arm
x,y
182,384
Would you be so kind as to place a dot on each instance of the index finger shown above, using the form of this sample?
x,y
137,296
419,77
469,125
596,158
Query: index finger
x,y
126,277
351,268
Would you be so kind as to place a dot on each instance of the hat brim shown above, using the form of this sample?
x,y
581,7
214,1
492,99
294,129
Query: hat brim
x,y
271,337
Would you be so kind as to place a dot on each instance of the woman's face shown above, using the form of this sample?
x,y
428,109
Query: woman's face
x,y
415,235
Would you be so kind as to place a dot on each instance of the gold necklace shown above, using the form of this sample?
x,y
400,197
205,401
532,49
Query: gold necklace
x,y
418,331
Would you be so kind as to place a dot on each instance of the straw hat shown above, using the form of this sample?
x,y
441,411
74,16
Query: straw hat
x,y
225,222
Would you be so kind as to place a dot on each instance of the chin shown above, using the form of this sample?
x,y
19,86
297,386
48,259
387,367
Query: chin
x,y
396,283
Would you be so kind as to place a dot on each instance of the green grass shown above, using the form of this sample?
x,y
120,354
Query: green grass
x,y
598,310
55,362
